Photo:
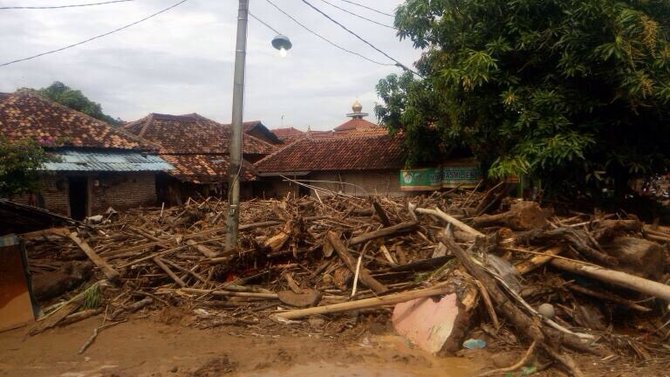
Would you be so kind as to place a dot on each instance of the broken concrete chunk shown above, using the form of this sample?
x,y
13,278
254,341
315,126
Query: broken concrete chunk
x,y
434,326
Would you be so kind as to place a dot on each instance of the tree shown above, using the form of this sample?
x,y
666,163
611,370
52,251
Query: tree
x,y
19,165
574,92
76,100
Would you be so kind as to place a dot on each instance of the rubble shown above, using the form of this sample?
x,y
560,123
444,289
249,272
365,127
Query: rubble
x,y
301,257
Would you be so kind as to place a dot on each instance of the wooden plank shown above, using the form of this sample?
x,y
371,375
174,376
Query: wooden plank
x,y
111,274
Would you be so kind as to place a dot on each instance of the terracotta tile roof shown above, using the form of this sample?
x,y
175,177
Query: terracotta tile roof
x,y
26,114
368,152
196,146
288,134
356,124
192,133
257,128
204,168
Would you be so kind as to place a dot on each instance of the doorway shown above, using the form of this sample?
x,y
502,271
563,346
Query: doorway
x,y
78,195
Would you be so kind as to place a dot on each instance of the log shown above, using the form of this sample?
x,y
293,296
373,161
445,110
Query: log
x,y
206,251
538,260
364,274
524,323
112,275
605,230
79,316
384,232
618,278
451,220
608,296
168,271
374,302
638,256
381,213
578,239
522,215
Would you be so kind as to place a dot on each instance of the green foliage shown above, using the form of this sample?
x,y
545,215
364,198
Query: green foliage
x,y
76,100
561,90
19,164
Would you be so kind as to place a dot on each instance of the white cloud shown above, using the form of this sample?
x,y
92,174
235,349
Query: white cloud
x,y
182,61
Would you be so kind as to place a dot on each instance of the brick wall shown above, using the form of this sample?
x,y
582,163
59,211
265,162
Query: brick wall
x,y
121,191
116,190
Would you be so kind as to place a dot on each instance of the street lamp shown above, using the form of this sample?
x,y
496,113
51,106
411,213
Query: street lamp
x,y
282,44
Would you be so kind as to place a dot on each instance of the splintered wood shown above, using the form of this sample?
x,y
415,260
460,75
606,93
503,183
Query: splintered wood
x,y
336,254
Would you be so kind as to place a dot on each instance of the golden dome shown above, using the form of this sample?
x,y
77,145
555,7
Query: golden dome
x,y
357,107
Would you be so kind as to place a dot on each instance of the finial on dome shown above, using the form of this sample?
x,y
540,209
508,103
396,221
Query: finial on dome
x,y
357,111
357,107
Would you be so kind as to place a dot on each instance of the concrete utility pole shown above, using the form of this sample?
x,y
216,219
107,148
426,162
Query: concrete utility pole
x,y
235,169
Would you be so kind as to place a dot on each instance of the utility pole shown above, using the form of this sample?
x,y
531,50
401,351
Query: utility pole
x,y
235,152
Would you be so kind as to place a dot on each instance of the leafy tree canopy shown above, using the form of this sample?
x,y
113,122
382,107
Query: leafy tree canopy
x,y
575,92
19,164
76,100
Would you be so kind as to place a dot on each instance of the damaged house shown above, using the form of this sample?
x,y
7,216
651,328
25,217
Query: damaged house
x,y
355,158
95,166
197,148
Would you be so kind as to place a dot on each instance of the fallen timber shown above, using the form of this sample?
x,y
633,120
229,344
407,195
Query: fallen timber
x,y
355,254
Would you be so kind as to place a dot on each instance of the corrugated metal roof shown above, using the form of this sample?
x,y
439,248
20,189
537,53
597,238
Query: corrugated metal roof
x,y
77,160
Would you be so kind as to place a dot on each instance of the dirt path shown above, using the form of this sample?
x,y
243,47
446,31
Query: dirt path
x,y
143,347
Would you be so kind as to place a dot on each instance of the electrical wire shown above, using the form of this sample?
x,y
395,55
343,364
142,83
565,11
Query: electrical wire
x,y
367,7
264,23
69,6
398,63
326,39
97,36
357,15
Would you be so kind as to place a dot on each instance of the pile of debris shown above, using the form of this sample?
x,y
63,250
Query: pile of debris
x,y
556,282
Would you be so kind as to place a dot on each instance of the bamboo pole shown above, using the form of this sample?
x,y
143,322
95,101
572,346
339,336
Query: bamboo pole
x,y
368,303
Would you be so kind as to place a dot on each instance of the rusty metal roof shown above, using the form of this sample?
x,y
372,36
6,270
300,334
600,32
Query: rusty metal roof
x,y
118,161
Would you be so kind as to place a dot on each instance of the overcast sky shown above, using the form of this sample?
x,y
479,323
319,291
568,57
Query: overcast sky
x,y
182,61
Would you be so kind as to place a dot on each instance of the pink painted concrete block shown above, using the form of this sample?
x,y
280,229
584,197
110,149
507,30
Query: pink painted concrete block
x,y
431,325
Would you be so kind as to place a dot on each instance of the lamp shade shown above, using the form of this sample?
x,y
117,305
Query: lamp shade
x,y
281,42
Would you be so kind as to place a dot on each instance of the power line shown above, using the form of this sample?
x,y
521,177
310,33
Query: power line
x,y
367,7
97,36
398,63
69,6
326,39
357,15
264,23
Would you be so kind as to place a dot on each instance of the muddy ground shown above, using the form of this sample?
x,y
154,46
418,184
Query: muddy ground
x,y
162,346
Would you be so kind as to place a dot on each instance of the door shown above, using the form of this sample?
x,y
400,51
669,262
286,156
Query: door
x,y
78,195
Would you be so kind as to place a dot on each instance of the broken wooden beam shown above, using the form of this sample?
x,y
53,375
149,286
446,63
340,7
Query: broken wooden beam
x,y
350,262
111,274
404,227
368,303
168,271
451,220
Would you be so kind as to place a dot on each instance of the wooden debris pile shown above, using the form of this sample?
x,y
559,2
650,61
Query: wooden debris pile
x,y
554,281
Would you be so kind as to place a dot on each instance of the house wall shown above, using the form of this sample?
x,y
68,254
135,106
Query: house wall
x,y
116,190
371,182
360,183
